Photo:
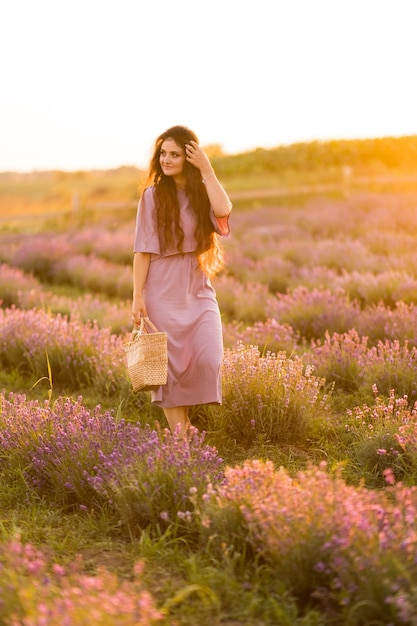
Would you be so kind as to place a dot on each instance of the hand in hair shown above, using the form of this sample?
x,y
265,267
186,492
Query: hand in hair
x,y
197,157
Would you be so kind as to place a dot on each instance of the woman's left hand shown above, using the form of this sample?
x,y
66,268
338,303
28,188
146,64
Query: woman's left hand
x,y
197,157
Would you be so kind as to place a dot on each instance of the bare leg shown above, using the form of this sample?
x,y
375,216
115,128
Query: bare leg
x,y
178,415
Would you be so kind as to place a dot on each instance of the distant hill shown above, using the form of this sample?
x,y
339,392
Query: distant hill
x,y
380,154
368,155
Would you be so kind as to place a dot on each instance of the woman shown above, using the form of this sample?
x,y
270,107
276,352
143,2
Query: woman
x,y
180,214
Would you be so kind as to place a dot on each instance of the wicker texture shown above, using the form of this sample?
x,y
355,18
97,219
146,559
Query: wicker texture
x,y
147,357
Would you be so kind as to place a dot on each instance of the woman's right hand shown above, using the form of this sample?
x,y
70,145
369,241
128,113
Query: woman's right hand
x,y
138,310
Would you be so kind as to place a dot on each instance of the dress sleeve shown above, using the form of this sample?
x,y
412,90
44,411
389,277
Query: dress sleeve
x,y
146,237
221,224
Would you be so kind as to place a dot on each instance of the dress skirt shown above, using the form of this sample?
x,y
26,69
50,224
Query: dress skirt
x,y
181,301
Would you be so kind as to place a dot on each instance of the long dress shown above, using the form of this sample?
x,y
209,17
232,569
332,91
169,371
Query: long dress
x,y
181,301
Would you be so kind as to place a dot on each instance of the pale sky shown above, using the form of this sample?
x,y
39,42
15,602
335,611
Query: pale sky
x,y
91,83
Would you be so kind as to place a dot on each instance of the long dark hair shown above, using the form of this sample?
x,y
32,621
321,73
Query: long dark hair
x,y
209,252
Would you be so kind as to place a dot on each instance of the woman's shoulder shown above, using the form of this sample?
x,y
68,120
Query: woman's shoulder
x,y
148,192
148,197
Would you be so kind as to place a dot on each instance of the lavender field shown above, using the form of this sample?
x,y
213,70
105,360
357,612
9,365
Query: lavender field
x,y
293,504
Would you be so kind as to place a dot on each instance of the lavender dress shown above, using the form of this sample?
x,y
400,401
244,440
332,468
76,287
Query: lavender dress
x,y
181,301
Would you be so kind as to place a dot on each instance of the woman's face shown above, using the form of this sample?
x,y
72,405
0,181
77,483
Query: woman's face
x,y
172,159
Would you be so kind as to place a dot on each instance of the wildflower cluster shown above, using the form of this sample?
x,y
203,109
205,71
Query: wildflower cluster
x,y
157,480
272,395
56,259
268,336
80,355
37,591
313,312
57,444
24,291
327,540
383,436
242,302
13,283
112,245
349,361
74,456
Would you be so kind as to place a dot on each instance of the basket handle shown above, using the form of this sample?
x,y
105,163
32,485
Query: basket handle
x,y
141,328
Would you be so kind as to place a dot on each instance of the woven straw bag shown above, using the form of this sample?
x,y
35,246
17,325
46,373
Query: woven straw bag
x,y
147,357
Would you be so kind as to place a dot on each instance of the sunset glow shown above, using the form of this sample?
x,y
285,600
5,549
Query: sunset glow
x,y
91,84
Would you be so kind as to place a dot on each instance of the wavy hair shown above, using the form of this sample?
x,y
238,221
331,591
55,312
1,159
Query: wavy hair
x,y
209,251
